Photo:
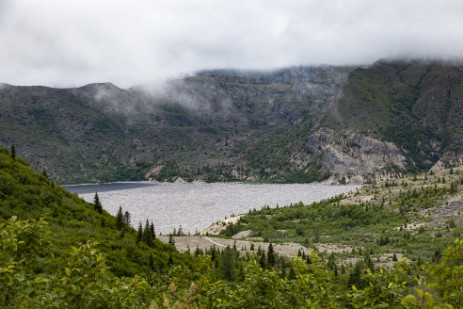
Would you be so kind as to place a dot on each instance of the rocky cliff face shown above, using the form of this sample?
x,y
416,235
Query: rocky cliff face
x,y
353,157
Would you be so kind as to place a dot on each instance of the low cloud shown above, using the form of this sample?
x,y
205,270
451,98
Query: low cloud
x,y
71,43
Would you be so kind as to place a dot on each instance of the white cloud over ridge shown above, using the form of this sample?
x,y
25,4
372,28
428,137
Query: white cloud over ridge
x,y
128,42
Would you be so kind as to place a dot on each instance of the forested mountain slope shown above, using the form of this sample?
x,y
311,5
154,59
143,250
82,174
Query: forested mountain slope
x,y
298,124
217,125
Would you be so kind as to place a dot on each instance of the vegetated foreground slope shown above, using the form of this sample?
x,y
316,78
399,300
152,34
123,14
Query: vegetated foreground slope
x,y
40,269
28,195
215,126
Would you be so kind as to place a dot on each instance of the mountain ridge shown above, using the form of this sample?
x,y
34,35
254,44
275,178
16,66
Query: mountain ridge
x,y
216,121
299,124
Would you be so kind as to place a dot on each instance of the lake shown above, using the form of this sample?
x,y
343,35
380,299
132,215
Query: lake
x,y
195,206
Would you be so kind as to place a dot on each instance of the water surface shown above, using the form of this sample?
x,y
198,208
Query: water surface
x,y
196,206
104,187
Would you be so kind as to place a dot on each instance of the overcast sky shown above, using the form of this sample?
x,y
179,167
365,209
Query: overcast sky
x,y
127,42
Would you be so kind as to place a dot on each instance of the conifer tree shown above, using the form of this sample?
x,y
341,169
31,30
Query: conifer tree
x,y
355,276
368,261
263,260
13,152
127,217
198,251
97,204
152,230
228,264
139,232
119,219
270,256
147,234
331,261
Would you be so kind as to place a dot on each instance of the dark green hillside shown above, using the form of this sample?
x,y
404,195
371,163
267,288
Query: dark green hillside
x,y
207,125
417,105
47,123
30,196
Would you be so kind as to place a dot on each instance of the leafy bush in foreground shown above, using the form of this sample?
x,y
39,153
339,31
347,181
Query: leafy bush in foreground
x,y
31,278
